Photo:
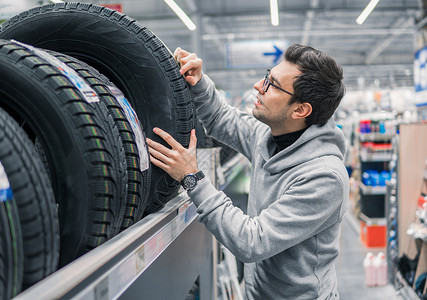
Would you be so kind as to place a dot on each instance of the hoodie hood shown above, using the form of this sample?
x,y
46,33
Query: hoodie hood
x,y
315,142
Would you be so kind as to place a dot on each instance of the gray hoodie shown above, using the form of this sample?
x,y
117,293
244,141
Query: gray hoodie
x,y
289,238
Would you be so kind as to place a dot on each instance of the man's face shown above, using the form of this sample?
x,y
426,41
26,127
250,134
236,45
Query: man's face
x,y
272,107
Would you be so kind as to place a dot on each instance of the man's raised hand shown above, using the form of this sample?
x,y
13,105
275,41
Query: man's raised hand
x,y
178,161
191,65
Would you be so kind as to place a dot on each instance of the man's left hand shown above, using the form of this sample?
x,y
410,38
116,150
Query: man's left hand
x,y
178,161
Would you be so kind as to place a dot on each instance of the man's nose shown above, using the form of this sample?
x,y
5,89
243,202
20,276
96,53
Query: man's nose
x,y
258,86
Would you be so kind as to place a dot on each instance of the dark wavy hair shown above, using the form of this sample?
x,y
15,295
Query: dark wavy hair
x,y
320,83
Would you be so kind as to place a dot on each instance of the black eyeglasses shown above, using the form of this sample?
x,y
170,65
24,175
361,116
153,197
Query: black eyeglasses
x,y
267,84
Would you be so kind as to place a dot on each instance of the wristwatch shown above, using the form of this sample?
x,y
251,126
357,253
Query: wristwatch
x,y
189,181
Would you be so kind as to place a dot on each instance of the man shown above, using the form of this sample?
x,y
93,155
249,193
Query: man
x,y
289,238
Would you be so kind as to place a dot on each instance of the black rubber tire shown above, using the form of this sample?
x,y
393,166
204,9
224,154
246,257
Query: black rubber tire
x,y
138,181
130,55
33,195
11,253
88,170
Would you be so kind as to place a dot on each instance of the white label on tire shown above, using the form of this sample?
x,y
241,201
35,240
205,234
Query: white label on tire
x,y
136,127
5,190
88,93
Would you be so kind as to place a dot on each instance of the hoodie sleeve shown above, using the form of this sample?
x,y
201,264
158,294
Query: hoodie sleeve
x,y
304,210
225,123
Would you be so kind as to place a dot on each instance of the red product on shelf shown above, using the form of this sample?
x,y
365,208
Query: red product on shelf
x,y
421,201
365,126
373,232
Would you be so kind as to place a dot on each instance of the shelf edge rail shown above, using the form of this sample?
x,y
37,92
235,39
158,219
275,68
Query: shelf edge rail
x,y
108,270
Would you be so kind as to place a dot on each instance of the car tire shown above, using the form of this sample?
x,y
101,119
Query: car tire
x,y
11,251
138,175
130,55
82,146
34,198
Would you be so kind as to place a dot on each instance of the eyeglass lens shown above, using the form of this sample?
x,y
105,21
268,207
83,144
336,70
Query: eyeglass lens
x,y
266,84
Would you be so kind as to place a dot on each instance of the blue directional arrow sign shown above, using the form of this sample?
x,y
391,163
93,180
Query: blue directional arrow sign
x,y
277,54
255,53
420,70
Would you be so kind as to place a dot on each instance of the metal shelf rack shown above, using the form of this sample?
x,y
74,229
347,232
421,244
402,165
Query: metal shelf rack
x,y
160,257
372,190
109,270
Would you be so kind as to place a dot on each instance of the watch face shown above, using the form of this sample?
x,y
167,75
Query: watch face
x,y
189,182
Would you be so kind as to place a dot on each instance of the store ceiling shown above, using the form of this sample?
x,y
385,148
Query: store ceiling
x,y
382,48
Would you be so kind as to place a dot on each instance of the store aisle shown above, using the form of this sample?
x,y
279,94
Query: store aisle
x,y
349,266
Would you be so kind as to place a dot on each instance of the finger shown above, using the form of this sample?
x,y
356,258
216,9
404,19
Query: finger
x,y
158,155
168,138
176,52
182,54
158,163
193,140
187,58
191,80
192,64
159,147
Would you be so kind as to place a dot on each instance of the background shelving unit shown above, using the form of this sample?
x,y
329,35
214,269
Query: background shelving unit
x,y
372,198
372,157
410,177
406,291
372,190
392,235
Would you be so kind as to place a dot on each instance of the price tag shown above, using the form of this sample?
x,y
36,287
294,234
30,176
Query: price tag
x,y
5,190
121,276
88,93
136,127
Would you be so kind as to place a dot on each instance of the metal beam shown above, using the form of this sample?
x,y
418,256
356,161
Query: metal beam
x,y
302,11
399,27
192,5
355,68
309,21
288,13
297,33
204,28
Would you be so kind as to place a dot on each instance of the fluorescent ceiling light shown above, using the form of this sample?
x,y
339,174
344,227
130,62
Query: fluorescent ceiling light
x,y
274,12
56,1
181,14
365,13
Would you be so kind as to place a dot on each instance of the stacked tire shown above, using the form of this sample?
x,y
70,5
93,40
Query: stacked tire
x,y
29,231
85,85
11,256
130,56
79,141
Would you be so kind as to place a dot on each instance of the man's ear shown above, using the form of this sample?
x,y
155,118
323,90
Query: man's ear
x,y
302,110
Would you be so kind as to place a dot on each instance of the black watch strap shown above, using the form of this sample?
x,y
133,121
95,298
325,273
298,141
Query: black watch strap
x,y
199,175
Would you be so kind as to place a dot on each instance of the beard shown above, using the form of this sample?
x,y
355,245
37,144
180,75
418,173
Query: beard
x,y
277,120
260,116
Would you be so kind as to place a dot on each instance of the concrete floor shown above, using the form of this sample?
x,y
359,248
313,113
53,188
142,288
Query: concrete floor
x,y
349,267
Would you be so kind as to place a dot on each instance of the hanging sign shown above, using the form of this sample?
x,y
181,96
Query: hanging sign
x,y
257,53
420,76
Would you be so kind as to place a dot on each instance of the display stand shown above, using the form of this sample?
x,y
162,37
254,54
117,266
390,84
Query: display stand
x,y
412,157
160,257
392,235
405,290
